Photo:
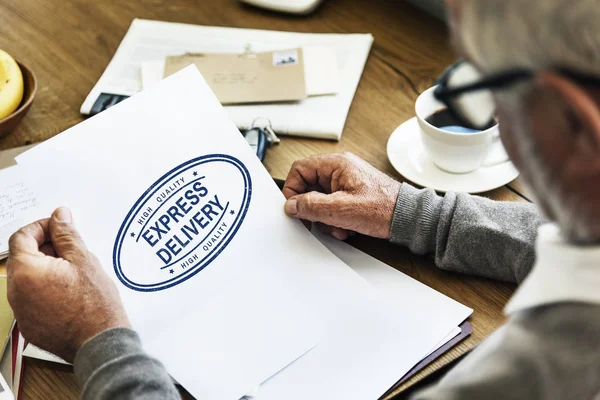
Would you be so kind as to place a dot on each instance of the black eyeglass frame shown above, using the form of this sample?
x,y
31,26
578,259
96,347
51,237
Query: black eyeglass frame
x,y
496,81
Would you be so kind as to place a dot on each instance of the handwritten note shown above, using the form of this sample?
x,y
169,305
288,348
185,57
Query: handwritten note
x,y
17,202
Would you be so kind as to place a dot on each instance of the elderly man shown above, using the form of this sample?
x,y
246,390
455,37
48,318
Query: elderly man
x,y
541,60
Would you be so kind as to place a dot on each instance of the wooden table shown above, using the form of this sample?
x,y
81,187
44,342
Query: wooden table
x,y
68,45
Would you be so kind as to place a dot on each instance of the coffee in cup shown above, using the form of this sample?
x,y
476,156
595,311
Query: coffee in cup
x,y
447,121
452,146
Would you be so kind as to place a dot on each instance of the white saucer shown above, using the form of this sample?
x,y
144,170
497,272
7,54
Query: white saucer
x,y
408,157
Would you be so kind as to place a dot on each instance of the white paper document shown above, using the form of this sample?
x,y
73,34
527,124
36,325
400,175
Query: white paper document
x,y
5,393
407,295
7,157
454,333
321,117
366,369
33,351
6,367
17,203
223,288
221,322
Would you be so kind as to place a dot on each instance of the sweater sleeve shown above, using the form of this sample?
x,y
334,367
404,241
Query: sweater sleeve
x,y
541,353
468,234
113,365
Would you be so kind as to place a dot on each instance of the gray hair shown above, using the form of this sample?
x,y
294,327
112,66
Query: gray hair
x,y
500,34
503,34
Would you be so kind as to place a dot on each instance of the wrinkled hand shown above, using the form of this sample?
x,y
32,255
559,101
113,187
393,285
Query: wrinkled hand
x,y
342,192
57,289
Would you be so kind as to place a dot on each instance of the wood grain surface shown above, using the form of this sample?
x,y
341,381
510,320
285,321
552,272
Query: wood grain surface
x,y
69,43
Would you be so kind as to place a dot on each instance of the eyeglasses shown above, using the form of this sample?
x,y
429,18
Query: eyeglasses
x,y
468,96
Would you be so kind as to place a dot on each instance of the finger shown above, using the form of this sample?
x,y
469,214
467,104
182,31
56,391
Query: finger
x,y
314,173
317,207
66,240
338,233
295,183
28,239
48,250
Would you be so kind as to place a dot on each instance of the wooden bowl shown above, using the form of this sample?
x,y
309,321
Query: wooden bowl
x,y
9,123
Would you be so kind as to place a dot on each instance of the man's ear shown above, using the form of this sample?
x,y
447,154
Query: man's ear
x,y
580,103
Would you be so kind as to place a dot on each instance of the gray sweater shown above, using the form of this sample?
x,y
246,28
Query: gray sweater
x,y
540,353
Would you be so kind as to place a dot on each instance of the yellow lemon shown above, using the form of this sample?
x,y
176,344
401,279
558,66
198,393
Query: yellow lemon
x,y
11,85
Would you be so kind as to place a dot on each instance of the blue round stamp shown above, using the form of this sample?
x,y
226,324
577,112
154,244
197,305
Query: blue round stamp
x,y
182,222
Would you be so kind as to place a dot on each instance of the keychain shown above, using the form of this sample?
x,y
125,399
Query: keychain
x,y
260,137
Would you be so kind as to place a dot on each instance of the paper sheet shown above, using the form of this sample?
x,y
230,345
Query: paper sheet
x,y
5,393
321,70
397,288
17,203
330,369
6,367
7,318
445,340
7,157
321,117
222,325
33,351
19,342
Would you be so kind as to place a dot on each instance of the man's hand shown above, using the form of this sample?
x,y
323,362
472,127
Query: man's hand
x,y
344,193
57,289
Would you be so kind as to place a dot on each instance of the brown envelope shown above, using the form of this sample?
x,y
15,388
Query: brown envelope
x,y
248,78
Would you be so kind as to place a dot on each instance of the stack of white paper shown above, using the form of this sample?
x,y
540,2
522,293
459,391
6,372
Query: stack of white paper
x,y
223,288
321,117
337,369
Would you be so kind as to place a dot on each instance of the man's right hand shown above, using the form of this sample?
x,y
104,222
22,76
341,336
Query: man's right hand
x,y
342,192
57,289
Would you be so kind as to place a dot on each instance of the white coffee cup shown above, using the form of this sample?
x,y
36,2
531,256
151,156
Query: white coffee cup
x,y
456,152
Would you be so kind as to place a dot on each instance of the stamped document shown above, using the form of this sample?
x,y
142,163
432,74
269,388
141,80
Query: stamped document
x,y
184,217
174,213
